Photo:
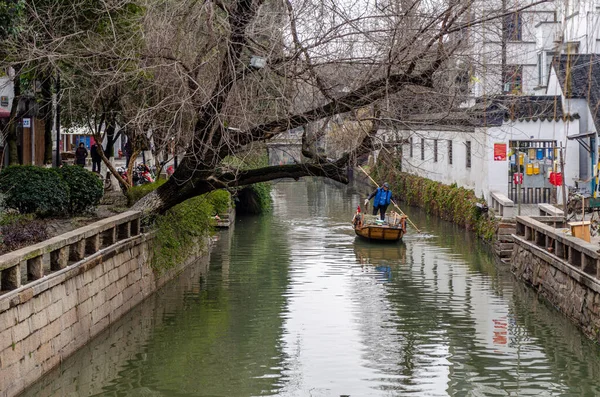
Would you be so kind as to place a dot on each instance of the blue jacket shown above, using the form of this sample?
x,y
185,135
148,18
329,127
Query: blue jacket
x,y
381,197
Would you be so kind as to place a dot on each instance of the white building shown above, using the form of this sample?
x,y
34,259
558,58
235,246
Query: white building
x,y
533,92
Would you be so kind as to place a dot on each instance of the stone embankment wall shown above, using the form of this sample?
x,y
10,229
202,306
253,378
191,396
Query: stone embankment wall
x,y
563,269
57,295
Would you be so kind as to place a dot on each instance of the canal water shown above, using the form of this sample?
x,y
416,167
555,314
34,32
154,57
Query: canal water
x,y
292,304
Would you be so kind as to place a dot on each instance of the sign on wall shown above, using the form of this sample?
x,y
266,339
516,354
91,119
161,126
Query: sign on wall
x,y
26,123
4,101
499,151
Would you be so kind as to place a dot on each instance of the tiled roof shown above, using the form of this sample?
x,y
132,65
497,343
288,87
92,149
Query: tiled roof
x,y
493,111
579,77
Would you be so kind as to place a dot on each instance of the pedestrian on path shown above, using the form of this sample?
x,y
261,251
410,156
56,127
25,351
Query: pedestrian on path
x,y
96,158
80,155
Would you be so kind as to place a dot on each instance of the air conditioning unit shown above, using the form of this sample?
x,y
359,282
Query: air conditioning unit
x,y
558,37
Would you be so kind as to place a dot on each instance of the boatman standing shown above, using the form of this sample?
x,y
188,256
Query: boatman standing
x,y
383,198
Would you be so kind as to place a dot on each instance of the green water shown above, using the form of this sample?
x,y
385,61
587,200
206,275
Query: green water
x,y
293,305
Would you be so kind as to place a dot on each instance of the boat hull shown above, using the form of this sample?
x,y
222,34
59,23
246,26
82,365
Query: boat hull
x,y
379,233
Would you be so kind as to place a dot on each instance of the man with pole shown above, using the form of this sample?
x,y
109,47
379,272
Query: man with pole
x,y
391,200
383,198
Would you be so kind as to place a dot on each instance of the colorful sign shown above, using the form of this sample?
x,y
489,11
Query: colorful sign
x,y
499,151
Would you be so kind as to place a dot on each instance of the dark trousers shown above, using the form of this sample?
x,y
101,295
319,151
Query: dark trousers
x,y
96,165
382,209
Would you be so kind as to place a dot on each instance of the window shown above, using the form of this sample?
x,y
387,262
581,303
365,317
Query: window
x,y
572,47
450,152
422,148
468,155
435,150
410,148
512,27
512,79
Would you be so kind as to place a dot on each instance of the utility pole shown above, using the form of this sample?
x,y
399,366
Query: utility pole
x,y
564,192
58,162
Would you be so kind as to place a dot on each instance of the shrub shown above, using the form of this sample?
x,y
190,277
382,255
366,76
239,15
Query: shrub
x,y
220,200
32,189
17,231
137,192
85,188
449,202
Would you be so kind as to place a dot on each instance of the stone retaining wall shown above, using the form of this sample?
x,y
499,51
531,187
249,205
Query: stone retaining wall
x,y
561,268
46,320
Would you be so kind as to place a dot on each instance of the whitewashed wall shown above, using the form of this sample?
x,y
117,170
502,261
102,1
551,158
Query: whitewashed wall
x,y
485,174
441,170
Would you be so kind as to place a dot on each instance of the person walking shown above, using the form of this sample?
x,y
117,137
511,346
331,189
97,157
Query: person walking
x,y
80,155
96,158
383,198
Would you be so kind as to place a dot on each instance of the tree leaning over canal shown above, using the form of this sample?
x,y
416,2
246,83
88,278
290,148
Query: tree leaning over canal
x,y
212,79
268,67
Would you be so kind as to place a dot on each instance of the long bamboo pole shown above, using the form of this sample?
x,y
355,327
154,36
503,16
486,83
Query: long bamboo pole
x,y
393,202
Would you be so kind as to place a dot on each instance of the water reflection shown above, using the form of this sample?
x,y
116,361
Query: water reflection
x,y
295,305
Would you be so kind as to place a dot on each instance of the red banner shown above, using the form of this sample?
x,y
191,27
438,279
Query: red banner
x,y
499,151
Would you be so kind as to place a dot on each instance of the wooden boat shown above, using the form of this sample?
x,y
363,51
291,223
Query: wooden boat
x,y
374,230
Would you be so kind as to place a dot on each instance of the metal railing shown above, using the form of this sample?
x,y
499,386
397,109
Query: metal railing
x,y
32,263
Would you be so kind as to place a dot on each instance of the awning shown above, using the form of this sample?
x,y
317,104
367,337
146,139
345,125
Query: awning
x,y
581,139
4,114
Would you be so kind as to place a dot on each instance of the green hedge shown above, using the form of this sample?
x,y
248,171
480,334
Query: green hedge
x,y
34,190
85,188
449,202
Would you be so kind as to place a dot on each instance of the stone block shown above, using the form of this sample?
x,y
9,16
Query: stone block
x,y
43,352
42,301
21,331
62,340
51,331
84,293
24,310
99,326
5,339
69,302
111,291
52,362
39,320
12,355
55,310
100,312
84,308
58,292
8,318
68,318
59,259
32,342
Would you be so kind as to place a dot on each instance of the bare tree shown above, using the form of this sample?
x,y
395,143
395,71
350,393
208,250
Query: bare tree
x,y
213,78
